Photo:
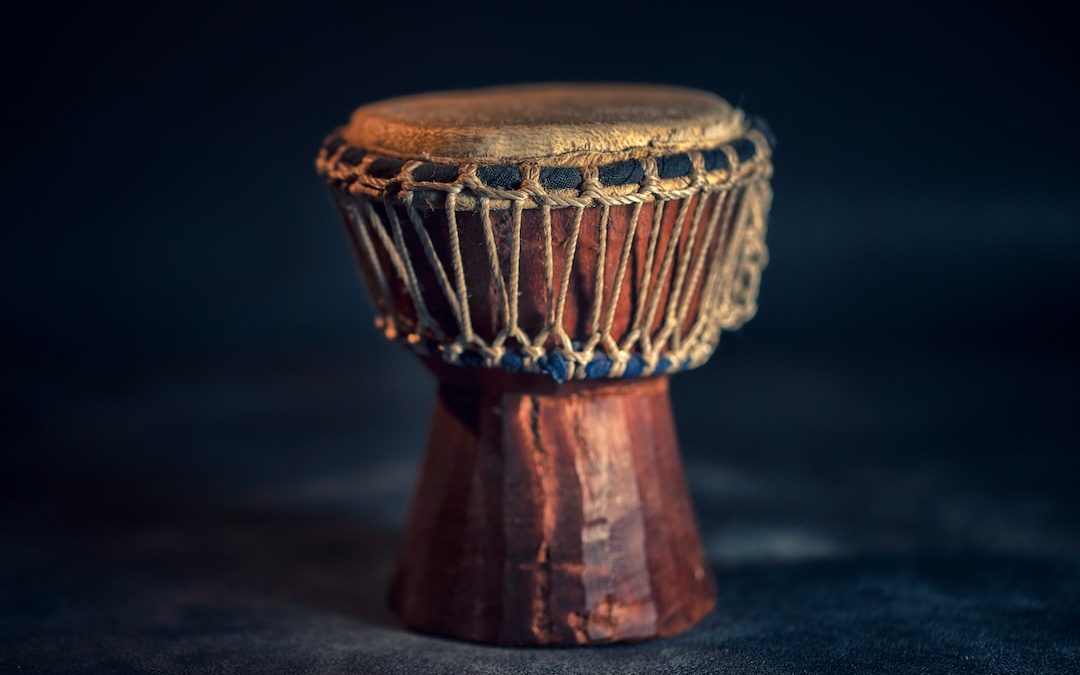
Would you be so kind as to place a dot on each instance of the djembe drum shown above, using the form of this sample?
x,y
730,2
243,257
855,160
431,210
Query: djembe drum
x,y
552,253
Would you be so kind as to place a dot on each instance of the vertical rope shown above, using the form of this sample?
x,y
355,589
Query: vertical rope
x,y
394,254
670,324
713,289
459,267
549,274
598,284
412,284
564,285
515,274
733,260
747,276
618,356
650,351
387,303
433,260
703,255
496,272
643,286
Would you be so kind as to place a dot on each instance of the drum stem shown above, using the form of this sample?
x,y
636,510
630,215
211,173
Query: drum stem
x,y
553,516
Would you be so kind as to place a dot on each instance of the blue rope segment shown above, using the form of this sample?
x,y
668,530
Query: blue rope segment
x,y
634,366
512,362
598,367
471,358
554,365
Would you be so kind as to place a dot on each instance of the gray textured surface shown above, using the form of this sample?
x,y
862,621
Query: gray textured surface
x,y
861,516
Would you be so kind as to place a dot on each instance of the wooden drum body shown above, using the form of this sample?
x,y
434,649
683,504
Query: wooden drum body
x,y
552,253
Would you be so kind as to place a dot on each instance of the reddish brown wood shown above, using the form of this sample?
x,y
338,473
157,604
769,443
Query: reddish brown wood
x,y
551,515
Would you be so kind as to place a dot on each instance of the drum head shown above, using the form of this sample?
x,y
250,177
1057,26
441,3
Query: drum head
x,y
544,121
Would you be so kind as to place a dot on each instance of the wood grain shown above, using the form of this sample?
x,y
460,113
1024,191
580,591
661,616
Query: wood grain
x,y
551,515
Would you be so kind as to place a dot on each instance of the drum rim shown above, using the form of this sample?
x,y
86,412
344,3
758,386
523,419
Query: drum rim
x,y
556,183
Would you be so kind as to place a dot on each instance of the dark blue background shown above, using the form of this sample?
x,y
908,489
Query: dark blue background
x,y
209,450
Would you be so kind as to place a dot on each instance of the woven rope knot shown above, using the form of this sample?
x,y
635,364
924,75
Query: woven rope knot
x,y
591,187
534,351
650,183
452,352
580,358
533,189
530,182
530,171
697,164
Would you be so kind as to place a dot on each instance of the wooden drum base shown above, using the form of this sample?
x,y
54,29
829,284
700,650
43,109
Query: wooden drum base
x,y
551,515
